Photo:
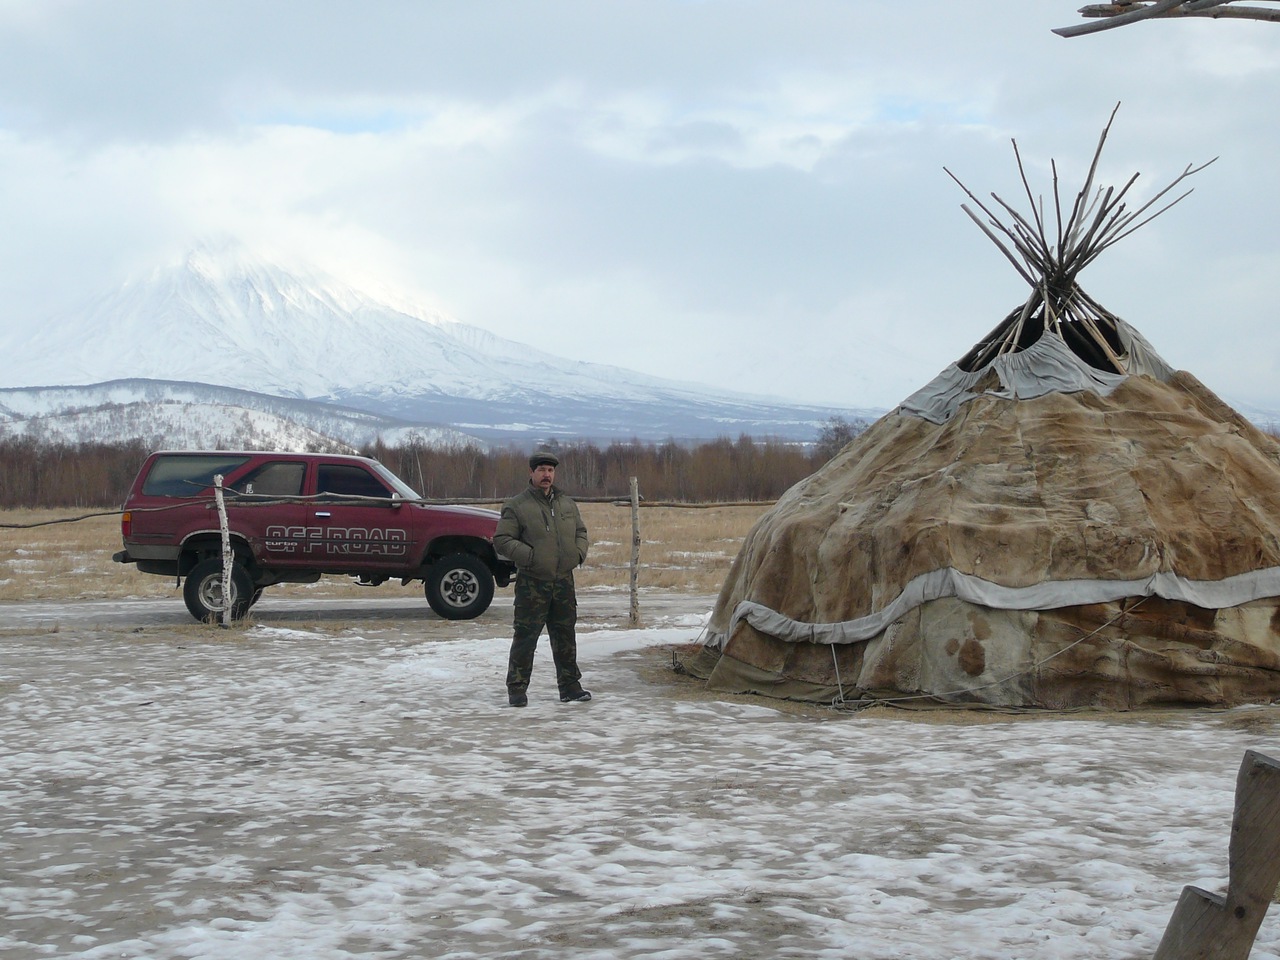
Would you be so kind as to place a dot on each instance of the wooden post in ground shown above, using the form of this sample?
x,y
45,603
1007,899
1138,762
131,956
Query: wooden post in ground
x,y
227,557
1209,926
635,550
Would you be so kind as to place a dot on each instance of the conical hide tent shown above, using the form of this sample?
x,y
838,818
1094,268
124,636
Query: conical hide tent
x,y
1057,520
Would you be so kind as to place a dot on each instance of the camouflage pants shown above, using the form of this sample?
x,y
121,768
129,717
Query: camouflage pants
x,y
553,604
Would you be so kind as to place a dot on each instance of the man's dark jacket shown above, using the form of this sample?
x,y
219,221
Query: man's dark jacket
x,y
543,536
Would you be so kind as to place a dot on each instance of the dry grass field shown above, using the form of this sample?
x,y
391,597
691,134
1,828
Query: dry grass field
x,y
681,550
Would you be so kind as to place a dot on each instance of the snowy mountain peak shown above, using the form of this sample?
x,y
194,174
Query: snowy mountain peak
x,y
222,314
227,316
219,259
228,262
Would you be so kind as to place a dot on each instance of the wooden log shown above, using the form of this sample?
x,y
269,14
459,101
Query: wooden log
x,y
635,551
1131,14
227,556
1128,11
1208,925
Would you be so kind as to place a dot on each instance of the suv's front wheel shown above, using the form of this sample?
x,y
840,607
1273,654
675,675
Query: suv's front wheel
x,y
459,586
202,591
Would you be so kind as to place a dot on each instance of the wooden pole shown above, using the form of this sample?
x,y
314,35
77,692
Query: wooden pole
x,y
1209,926
227,557
635,551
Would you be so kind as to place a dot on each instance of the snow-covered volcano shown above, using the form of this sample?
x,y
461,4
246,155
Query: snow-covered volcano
x,y
225,316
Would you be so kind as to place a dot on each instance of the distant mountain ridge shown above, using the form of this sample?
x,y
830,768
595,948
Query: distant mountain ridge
x,y
196,415
226,318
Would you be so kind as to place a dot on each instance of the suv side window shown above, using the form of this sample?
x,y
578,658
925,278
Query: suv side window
x,y
185,475
348,480
274,479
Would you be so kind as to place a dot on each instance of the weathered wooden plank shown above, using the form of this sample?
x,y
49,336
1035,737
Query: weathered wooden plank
x,y
1208,926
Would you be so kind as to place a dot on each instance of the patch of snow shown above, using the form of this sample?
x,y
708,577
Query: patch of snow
x,y
282,792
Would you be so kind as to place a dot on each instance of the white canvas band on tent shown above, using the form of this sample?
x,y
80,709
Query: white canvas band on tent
x,y
949,582
1047,366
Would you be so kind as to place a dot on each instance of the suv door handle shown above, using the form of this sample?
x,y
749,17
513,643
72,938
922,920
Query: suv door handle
x,y
322,513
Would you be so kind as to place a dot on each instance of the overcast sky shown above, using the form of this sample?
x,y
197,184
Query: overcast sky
x,y
745,194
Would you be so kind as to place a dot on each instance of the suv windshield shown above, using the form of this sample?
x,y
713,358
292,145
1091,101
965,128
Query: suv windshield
x,y
398,485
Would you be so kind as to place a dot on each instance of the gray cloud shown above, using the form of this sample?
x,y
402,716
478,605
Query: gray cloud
x,y
742,193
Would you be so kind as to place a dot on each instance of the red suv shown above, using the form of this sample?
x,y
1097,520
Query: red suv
x,y
294,516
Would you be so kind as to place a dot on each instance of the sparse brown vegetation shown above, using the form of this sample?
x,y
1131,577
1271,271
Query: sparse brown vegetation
x,y
686,551
66,561
682,550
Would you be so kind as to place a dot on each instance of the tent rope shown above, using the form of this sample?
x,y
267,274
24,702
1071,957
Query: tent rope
x,y
839,700
863,704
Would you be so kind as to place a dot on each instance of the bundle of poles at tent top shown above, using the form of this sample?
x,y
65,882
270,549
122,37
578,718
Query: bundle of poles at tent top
x,y
1097,219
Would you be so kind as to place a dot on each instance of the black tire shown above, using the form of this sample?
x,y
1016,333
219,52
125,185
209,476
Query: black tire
x,y
202,591
459,587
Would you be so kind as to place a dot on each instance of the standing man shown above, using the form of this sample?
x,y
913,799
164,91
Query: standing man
x,y
542,533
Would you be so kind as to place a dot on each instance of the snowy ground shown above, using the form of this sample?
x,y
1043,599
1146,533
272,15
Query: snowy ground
x,y
330,791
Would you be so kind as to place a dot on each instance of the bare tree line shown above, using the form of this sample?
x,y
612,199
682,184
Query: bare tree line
x,y
37,474
716,471
96,475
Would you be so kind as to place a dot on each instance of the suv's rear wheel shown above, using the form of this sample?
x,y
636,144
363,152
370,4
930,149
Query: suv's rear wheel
x,y
202,591
459,586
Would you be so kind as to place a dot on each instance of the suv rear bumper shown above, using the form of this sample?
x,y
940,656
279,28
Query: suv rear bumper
x,y
163,563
